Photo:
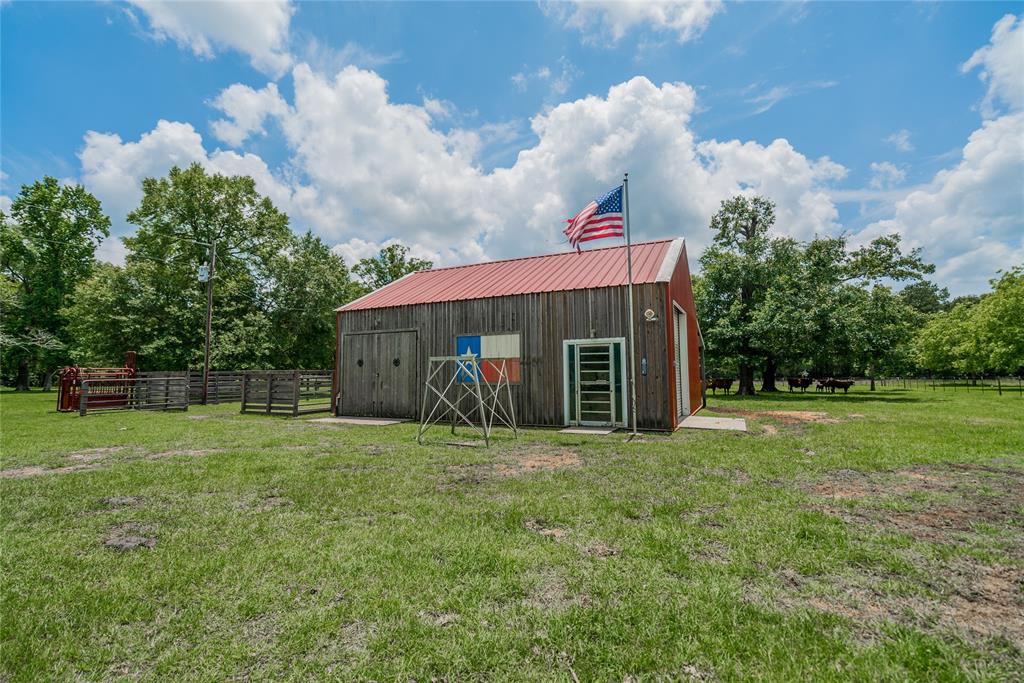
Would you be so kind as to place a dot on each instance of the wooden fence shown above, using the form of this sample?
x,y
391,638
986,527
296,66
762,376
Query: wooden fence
x,y
286,392
147,391
225,386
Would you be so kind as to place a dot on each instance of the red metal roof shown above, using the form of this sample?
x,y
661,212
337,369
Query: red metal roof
x,y
550,273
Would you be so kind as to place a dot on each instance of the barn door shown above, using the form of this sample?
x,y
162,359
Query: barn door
x,y
379,374
358,375
682,363
396,374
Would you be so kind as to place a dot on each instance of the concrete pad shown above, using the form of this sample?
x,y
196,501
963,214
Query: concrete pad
x,y
706,422
599,431
360,421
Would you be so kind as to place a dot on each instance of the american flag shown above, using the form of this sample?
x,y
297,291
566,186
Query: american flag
x,y
599,219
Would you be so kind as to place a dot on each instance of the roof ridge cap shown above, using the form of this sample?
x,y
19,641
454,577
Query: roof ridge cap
x,y
559,253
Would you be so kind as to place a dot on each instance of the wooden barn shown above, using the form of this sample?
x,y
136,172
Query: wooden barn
x,y
559,323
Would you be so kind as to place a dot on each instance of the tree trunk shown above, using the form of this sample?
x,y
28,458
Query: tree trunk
x,y
746,387
872,382
770,370
22,382
48,380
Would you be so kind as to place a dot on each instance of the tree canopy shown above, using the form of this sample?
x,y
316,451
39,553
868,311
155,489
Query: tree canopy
x,y
392,263
819,307
47,247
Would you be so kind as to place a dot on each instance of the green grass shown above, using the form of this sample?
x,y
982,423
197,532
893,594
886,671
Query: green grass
x,y
290,550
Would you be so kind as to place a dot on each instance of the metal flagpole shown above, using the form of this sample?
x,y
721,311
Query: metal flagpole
x,y
209,321
629,317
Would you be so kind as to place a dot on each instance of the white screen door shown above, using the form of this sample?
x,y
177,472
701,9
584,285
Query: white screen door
x,y
595,384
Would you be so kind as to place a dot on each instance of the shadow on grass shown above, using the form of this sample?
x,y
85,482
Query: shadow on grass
x,y
858,397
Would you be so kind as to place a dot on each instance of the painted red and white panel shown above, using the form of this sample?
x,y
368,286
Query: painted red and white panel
x,y
491,350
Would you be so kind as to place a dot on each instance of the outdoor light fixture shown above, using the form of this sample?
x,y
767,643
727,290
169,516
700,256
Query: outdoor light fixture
x,y
650,316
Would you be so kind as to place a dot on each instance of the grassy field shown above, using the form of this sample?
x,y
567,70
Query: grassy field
x,y
871,537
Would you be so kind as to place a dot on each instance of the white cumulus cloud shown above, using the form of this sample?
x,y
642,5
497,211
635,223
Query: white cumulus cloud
x,y
969,219
246,109
600,19
1001,65
364,171
901,140
257,28
885,174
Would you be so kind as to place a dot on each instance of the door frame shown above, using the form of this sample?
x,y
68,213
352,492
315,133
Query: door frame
x,y
340,398
622,409
682,363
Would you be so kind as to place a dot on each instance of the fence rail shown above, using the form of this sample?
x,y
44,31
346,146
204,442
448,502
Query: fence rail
x,y
286,392
225,386
144,392
999,385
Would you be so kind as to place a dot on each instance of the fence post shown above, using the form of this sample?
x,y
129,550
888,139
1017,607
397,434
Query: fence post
x,y
243,391
296,389
83,398
270,390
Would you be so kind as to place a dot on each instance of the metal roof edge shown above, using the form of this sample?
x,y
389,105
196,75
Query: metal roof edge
x,y
668,263
341,309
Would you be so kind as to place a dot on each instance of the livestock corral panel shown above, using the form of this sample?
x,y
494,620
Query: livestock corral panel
x,y
543,321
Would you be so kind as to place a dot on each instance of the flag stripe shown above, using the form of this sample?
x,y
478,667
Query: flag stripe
x,y
599,219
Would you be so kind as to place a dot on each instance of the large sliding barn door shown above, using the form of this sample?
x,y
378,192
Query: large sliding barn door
x,y
682,363
379,374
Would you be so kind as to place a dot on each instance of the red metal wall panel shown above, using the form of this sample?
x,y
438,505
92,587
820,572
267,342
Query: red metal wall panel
x,y
681,291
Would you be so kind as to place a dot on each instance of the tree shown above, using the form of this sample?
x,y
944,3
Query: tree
x,y
881,329
946,344
310,282
773,303
1000,317
978,338
391,263
100,317
157,306
925,297
734,269
46,248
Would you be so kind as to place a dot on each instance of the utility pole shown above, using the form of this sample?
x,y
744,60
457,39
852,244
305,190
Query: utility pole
x,y
209,318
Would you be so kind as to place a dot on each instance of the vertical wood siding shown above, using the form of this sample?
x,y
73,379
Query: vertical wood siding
x,y
681,291
544,321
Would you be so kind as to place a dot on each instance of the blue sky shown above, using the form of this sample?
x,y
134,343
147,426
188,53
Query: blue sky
x,y
471,130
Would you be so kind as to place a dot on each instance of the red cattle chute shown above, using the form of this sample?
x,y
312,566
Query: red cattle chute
x,y
108,387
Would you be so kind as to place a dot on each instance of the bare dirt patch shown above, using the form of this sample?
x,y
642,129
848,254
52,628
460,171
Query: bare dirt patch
x,y
538,459
514,462
274,502
539,526
714,552
193,452
123,501
937,504
976,601
549,592
37,470
129,536
600,549
95,454
786,417
442,619
947,505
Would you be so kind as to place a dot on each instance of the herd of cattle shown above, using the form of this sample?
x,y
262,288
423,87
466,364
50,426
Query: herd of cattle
x,y
801,383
